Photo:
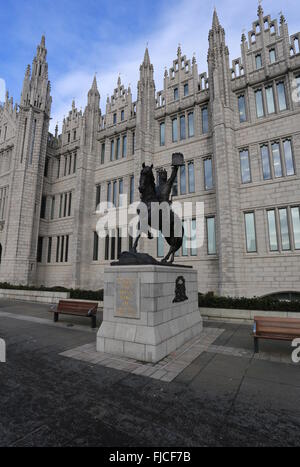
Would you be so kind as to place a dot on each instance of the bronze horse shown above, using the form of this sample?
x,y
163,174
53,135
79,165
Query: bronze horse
x,y
152,194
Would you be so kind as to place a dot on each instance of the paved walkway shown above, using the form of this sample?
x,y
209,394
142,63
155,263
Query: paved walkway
x,y
225,397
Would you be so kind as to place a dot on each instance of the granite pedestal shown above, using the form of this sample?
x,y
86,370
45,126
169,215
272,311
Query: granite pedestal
x,y
143,316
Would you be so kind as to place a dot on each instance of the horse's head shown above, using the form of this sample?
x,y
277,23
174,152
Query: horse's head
x,y
147,181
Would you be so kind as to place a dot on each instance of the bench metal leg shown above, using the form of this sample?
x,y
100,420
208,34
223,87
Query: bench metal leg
x,y
56,317
94,321
256,346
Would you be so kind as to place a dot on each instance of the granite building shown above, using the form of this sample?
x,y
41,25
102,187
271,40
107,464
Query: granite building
x,y
238,126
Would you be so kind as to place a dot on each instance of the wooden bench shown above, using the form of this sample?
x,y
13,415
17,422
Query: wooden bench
x,y
283,329
69,307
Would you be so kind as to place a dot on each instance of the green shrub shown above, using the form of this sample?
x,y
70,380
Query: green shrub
x,y
264,303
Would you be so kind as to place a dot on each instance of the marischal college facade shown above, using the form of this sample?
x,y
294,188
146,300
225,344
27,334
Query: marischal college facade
x,y
239,130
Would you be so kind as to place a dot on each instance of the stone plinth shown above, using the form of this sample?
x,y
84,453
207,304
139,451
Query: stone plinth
x,y
143,317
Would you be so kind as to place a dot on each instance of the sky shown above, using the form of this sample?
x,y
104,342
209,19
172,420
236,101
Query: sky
x,y
109,38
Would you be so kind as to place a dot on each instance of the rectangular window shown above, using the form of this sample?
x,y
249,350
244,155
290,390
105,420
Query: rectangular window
x,y
131,189
175,187
265,158
66,164
122,115
250,232
288,158
284,228
57,248
70,164
276,160
107,247
109,192
120,191
281,96
62,249
58,167
118,149
133,143
160,246
295,213
204,113
67,249
113,247
245,166
258,62
191,124
259,104
112,150
270,100
211,235
272,55
103,153
162,133
114,119
43,207
174,130
49,250
124,146
40,250
98,195
46,171
186,90
191,172
96,247
208,174
182,127
70,204
75,162
185,239
273,239
194,250
65,205
119,244
182,180
53,207
242,109
60,206
115,187
176,94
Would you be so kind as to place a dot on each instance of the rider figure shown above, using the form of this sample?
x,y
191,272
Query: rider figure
x,y
164,187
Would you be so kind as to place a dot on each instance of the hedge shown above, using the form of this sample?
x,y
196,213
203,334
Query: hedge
x,y
76,294
257,303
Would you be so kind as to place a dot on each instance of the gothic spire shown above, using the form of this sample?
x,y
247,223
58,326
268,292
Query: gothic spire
x,y
146,62
216,22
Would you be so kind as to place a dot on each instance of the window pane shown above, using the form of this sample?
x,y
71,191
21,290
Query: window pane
x,y
276,160
270,99
115,193
191,177
102,153
186,90
162,134
245,166
133,143
131,189
296,226
118,149
281,96
242,109
258,62
160,246
250,232
185,239
182,127
49,250
120,191
272,231
174,130
96,244
109,192
112,148
124,153
205,120
284,227
208,174
272,56
191,124
175,187
288,157
182,180
259,104
98,195
176,94
211,236
194,250
265,162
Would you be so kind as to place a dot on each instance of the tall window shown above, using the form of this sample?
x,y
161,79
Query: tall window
x,y
259,103
124,147
270,99
265,162
284,228
49,250
272,55
185,239
160,246
211,235
176,94
43,207
102,153
182,127
250,232
122,115
118,149
191,172
121,186
281,96
186,90
276,160
70,204
273,239
162,133
288,157
174,130
242,109
98,195
40,250
258,61
131,189
109,192
58,167
204,113
52,207
182,180
114,119
112,150
96,247
115,188
75,162
208,174
57,248
175,187
191,124
133,143
245,166
295,214
194,249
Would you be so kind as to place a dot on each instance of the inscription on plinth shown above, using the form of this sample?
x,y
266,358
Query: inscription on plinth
x,y
127,298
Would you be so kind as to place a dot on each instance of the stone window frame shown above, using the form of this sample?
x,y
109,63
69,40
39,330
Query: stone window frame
x,y
250,211
207,217
213,173
245,95
177,116
270,49
240,150
269,144
280,249
202,108
262,87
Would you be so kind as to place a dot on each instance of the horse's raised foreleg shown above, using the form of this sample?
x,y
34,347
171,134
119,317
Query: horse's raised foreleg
x,y
171,255
135,245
